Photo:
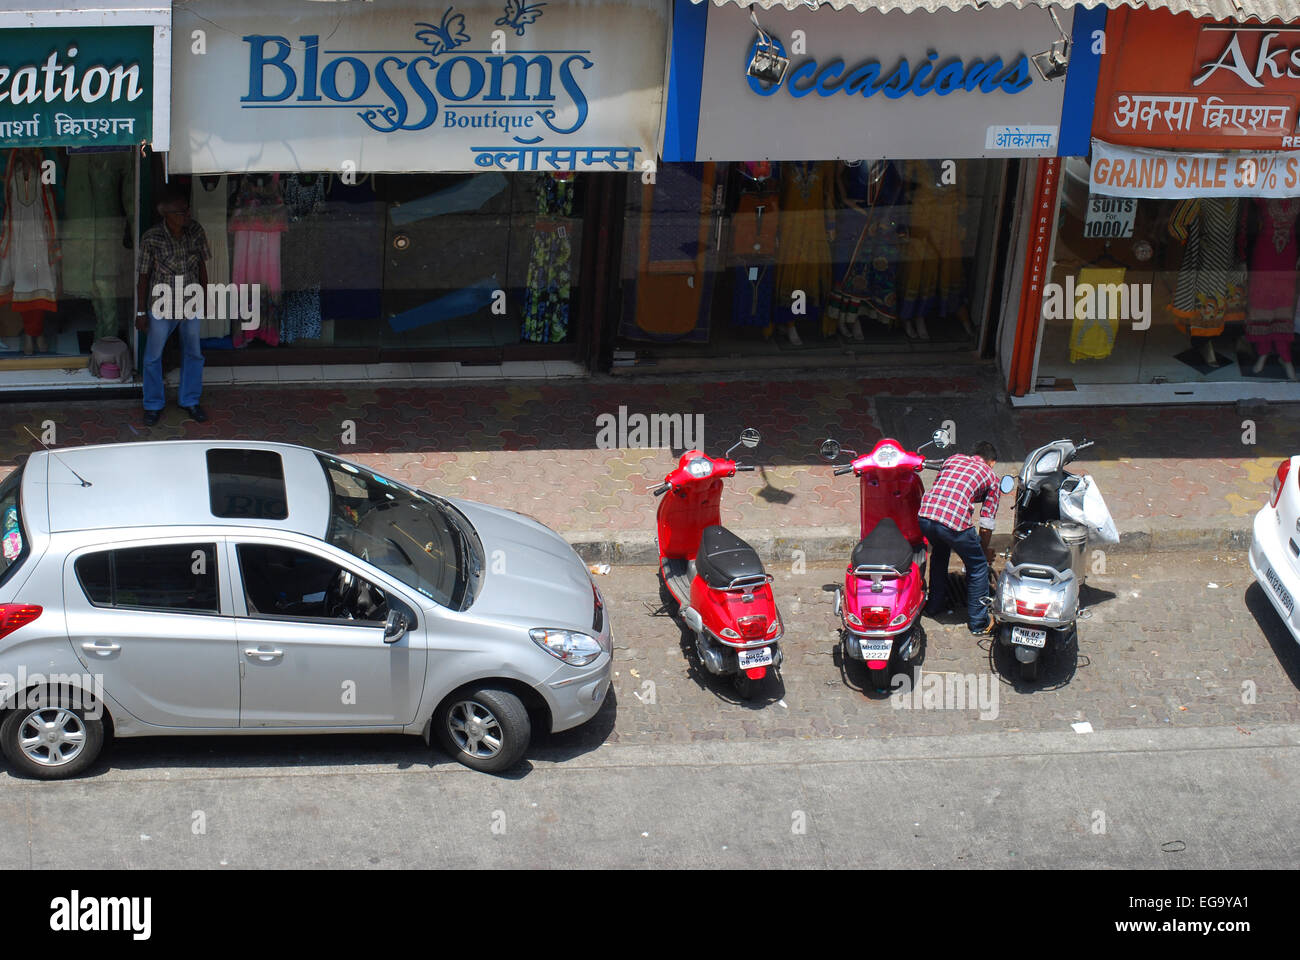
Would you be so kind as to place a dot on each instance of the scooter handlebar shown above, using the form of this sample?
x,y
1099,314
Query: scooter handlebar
x,y
748,466
660,490
840,471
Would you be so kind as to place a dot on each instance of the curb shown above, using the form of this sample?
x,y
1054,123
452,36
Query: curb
x,y
833,544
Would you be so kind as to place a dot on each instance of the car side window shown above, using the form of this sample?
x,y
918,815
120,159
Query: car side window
x,y
284,582
179,577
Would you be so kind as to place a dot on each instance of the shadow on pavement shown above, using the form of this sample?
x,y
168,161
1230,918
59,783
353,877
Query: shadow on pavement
x,y
1279,637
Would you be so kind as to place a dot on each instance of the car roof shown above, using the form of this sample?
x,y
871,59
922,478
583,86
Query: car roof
x,y
164,483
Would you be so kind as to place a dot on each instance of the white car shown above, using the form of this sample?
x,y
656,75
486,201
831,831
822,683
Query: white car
x,y
1275,547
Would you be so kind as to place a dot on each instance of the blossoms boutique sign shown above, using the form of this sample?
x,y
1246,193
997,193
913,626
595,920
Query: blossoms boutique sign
x,y
501,85
88,86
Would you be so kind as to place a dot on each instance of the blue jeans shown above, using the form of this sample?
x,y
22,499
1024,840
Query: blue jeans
x,y
943,541
191,362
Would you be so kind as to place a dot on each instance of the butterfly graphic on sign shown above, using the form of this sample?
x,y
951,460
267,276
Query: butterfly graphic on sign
x,y
448,35
519,14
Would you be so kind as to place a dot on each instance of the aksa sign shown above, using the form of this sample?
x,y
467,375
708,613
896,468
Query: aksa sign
x,y
89,86
865,84
505,85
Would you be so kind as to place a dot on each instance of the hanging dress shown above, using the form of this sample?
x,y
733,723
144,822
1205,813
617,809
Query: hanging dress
x,y
1272,278
803,246
932,281
546,299
868,244
1211,288
29,251
300,258
257,223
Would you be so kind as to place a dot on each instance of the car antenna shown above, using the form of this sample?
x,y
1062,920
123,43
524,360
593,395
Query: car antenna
x,y
84,481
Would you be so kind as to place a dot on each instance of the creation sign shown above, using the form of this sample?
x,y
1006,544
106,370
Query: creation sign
x,y
482,85
83,86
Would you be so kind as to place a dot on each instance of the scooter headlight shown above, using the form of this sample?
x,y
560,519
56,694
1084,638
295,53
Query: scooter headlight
x,y
699,468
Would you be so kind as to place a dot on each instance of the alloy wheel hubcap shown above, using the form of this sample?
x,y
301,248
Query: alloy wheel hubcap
x,y
475,729
52,736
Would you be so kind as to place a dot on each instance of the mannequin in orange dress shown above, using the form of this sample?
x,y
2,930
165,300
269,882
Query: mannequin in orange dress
x,y
807,227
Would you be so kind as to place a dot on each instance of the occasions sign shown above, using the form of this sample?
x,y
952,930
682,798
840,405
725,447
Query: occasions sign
x,y
866,84
84,86
499,85
1171,81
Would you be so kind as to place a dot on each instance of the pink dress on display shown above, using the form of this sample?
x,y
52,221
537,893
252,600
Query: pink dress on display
x,y
1272,299
257,223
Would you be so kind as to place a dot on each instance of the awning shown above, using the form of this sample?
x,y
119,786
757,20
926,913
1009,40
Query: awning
x,y
1236,10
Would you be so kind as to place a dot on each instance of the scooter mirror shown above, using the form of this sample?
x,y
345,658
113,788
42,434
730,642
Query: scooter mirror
x,y
941,439
750,437
1008,483
830,450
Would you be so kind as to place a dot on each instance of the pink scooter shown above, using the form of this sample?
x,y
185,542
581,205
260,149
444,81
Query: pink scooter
x,y
884,585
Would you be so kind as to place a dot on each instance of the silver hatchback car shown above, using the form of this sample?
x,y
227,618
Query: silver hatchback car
x,y
192,588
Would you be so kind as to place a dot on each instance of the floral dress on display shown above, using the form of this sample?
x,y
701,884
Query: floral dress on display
x,y
546,301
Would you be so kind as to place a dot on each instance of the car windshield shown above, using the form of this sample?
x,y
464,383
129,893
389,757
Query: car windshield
x,y
417,538
11,525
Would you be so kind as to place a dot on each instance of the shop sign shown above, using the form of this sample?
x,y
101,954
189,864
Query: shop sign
x,y
489,84
88,86
863,84
1119,171
1110,217
1230,87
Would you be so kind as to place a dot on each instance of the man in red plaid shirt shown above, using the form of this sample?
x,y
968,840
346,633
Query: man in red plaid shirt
x,y
947,520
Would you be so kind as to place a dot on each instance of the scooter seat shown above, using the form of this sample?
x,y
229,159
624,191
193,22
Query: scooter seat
x,y
1043,546
885,546
724,557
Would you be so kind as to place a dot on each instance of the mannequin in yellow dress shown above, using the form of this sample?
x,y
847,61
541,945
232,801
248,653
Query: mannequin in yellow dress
x,y
932,280
807,226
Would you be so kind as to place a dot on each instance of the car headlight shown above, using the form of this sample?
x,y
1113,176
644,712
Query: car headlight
x,y
575,649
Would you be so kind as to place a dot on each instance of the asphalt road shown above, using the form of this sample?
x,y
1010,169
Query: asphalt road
x,y
1184,677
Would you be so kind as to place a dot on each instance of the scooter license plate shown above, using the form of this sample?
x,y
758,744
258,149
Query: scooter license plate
x,y
876,649
1027,637
762,657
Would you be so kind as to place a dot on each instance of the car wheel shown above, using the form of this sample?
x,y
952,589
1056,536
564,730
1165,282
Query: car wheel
x,y
484,728
51,735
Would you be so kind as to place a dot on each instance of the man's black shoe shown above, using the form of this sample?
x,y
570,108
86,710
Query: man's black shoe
x,y
151,417
196,413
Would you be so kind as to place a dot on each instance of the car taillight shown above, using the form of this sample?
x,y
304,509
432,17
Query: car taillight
x,y
1031,609
1279,480
753,626
875,616
15,615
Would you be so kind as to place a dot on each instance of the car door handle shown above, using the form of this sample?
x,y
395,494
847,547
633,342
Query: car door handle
x,y
101,648
266,656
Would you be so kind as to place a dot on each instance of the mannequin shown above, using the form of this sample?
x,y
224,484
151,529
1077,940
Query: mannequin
x,y
807,226
932,281
1269,245
546,301
867,244
753,248
257,223
300,258
1211,286
28,246
100,214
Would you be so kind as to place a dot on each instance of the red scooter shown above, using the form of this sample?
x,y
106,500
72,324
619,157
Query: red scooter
x,y
884,586
714,578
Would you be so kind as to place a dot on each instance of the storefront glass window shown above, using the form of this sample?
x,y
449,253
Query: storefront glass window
x,y
436,261
67,227
766,256
1199,289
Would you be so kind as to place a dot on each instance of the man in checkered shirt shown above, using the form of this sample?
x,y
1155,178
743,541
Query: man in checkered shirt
x,y
947,520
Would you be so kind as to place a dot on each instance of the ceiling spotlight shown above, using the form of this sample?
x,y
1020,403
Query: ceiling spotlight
x,y
767,63
1053,62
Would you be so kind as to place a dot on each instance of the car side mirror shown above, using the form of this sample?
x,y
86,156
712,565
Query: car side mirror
x,y
830,450
396,626
1008,483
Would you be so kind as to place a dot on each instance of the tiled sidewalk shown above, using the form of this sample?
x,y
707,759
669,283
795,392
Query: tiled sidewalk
x,y
1171,473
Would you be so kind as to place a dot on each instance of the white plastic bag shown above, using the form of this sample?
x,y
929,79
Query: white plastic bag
x,y
1082,502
